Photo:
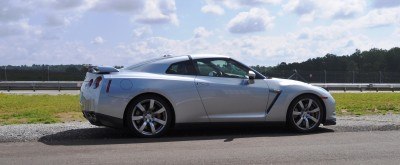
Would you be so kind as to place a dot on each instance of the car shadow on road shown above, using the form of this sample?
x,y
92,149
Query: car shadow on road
x,y
226,133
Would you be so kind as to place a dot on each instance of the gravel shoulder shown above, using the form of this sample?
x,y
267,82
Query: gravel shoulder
x,y
85,131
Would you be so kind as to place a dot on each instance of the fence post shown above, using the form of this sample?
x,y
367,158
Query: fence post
x,y
380,77
48,72
353,76
325,76
5,72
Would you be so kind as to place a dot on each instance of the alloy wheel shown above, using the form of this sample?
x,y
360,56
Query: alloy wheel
x,y
306,114
149,117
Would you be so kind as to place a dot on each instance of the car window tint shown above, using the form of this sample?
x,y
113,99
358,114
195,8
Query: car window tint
x,y
230,69
220,68
183,68
205,69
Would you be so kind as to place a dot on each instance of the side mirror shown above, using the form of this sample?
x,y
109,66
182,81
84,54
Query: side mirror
x,y
251,75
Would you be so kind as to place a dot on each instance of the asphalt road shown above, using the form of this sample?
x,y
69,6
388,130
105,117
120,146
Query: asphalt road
x,y
262,147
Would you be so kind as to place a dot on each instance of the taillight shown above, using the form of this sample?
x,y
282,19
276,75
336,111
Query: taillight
x,y
90,82
108,86
97,82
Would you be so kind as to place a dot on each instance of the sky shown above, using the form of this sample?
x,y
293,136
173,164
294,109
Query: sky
x,y
256,32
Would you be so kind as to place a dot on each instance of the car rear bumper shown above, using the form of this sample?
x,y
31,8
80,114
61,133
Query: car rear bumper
x,y
103,120
330,122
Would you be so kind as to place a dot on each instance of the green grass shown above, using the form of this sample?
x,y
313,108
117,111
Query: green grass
x,y
19,109
367,103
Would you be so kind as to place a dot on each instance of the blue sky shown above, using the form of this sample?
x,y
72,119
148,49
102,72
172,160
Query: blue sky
x,y
257,32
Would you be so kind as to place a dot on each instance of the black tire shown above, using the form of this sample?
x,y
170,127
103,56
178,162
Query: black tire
x,y
306,119
150,116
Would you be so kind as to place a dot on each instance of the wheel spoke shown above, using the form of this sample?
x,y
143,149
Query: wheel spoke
x,y
299,122
313,119
310,101
151,104
160,111
140,106
162,122
301,105
153,129
142,127
314,110
296,113
134,118
307,123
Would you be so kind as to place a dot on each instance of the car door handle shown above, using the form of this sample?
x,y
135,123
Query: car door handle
x,y
202,84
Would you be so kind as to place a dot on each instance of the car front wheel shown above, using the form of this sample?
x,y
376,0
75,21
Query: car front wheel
x,y
149,116
305,113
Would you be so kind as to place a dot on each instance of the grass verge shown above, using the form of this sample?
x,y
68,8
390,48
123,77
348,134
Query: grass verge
x,y
367,103
22,109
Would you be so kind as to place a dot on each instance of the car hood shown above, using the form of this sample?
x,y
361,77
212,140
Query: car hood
x,y
293,85
288,82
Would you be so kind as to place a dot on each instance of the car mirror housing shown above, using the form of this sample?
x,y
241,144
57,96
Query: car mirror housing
x,y
251,75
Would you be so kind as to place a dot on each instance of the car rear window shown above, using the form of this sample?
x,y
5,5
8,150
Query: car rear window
x,y
183,68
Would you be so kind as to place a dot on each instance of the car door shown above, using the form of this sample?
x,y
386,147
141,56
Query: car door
x,y
226,92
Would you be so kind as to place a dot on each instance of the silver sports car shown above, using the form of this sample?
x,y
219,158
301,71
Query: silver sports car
x,y
152,96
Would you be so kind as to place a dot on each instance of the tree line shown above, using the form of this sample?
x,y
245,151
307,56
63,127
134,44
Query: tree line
x,y
365,61
374,65
346,68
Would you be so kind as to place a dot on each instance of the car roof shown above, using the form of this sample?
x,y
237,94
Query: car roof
x,y
200,56
160,64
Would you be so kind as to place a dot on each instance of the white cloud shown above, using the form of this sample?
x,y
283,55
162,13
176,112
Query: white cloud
x,y
64,5
13,10
18,28
131,6
98,40
36,36
141,32
158,12
29,51
201,32
377,18
56,20
309,10
236,4
213,9
253,21
258,2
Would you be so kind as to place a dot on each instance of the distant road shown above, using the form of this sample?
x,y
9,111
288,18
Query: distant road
x,y
376,147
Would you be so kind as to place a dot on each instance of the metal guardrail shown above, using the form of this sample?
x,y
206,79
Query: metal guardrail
x,y
358,87
75,85
40,85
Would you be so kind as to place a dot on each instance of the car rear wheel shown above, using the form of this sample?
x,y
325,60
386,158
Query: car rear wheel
x,y
305,113
149,116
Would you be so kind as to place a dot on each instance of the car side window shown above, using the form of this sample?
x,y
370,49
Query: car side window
x,y
205,69
182,68
221,68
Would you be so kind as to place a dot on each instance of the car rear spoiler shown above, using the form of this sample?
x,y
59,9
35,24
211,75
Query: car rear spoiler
x,y
102,69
